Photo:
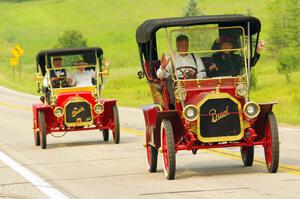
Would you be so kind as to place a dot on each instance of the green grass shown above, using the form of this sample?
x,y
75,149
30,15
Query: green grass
x,y
111,24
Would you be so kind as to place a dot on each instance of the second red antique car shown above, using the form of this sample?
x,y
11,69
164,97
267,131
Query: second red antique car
x,y
71,81
206,102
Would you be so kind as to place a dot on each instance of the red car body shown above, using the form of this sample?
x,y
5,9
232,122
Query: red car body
x,y
77,103
222,116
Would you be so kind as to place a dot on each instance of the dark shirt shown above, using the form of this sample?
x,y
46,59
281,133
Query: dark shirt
x,y
58,73
229,64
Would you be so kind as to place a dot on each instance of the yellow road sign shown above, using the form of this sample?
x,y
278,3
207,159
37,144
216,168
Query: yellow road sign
x,y
17,51
14,61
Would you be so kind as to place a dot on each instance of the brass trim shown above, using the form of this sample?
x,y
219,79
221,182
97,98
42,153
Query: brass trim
x,y
73,124
236,90
58,107
95,108
220,138
184,113
258,108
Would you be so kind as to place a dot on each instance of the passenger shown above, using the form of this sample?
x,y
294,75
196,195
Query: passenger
x,y
227,63
83,77
182,59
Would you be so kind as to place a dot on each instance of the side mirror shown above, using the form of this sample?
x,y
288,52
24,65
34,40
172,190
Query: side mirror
x,y
38,77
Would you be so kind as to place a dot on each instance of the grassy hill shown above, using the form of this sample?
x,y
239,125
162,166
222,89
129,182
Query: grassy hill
x,y
111,24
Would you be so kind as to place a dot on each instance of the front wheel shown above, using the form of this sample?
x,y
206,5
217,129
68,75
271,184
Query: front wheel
x,y
116,129
36,136
105,134
42,130
168,149
272,143
247,153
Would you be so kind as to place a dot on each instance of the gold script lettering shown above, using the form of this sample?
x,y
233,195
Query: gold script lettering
x,y
76,112
218,116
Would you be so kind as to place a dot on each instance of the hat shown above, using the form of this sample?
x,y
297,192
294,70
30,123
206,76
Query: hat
x,y
56,58
225,38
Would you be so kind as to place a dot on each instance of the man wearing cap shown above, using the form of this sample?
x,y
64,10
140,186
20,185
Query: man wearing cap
x,y
227,63
182,58
58,72
55,73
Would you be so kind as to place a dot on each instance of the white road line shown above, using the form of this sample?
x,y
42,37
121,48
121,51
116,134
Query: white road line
x,y
43,186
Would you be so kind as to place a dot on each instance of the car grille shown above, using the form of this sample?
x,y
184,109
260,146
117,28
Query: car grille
x,y
219,118
78,113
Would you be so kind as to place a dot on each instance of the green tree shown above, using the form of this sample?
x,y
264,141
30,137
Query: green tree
x,y
288,61
70,39
285,35
192,9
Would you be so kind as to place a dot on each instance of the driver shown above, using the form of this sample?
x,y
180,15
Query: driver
x,y
185,60
54,78
58,72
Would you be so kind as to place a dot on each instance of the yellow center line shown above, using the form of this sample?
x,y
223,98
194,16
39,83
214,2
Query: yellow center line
x,y
221,152
18,107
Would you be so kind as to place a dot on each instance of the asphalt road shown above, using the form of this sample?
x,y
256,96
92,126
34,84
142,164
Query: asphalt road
x,y
81,165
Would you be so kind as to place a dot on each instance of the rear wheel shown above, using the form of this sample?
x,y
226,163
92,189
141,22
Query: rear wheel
x,y
168,149
42,130
247,153
105,134
272,143
116,129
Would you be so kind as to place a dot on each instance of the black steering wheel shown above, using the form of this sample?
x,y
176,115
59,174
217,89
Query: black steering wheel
x,y
187,72
60,82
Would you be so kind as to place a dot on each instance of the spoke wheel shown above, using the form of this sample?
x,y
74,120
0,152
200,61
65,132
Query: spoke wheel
x,y
272,143
168,150
247,153
42,130
151,153
116,129
105,134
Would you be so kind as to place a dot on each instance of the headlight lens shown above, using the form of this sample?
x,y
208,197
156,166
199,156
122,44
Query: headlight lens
x,y
190,113
58,111
98,108
251,109
241,90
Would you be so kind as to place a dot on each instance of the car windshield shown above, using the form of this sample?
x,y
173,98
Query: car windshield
x,y
206,52
72,63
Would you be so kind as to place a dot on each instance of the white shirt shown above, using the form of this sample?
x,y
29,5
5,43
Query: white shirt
x,y
179,61
83,78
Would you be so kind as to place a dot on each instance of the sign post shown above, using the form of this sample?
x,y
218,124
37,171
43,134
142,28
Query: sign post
x,y
15,60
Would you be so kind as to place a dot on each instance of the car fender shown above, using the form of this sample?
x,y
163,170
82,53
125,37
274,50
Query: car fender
x,y
177,125
107,117
259,124
44,108
150,114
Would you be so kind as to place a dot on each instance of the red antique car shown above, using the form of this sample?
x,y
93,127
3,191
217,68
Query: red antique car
x,y
206,104
71,81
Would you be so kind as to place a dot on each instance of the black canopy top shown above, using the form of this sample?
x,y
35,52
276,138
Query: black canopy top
x,y
86,51
68,51
146,31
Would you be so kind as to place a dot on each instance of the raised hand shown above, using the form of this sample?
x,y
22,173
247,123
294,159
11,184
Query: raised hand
x,y
260,46
164,62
